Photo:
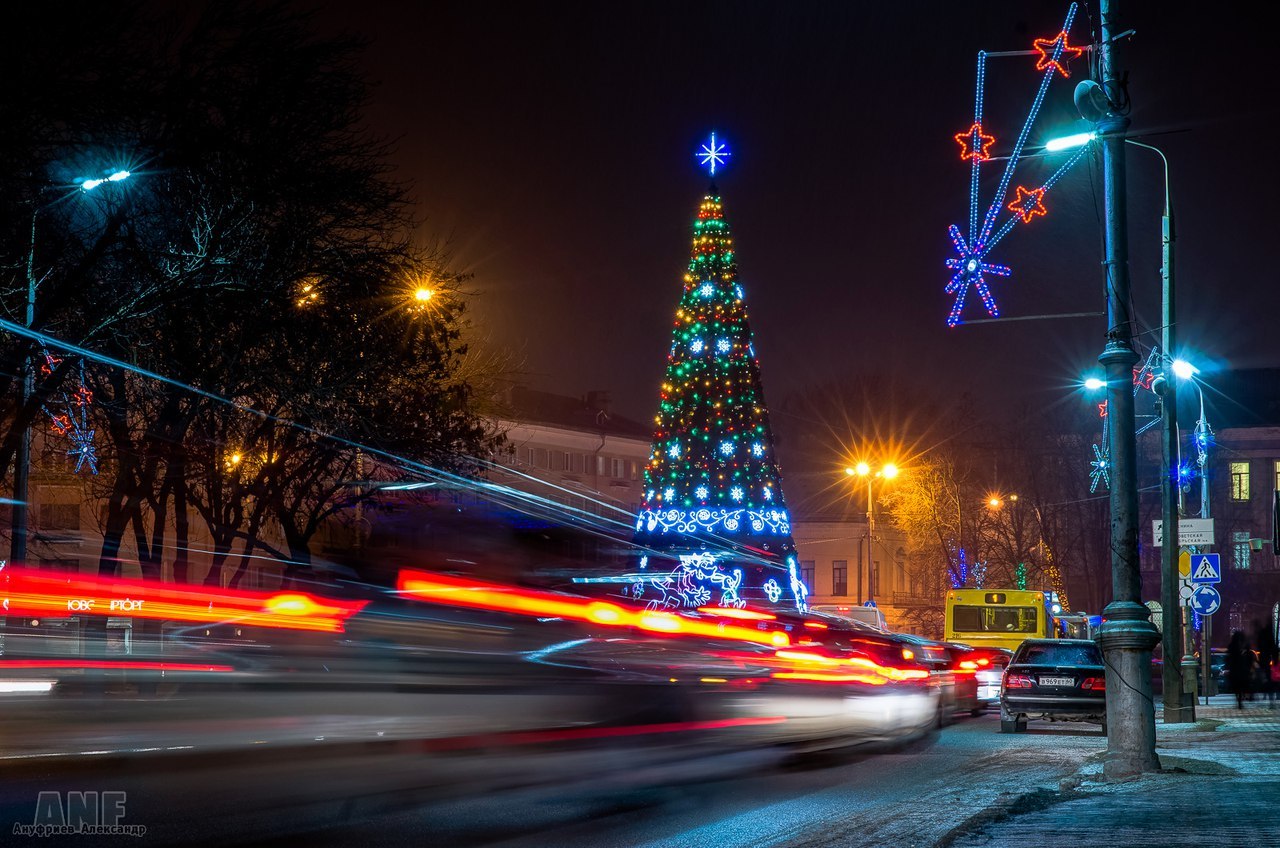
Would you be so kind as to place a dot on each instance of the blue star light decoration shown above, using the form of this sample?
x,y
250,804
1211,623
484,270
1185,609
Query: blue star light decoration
x,y
1101,470
712,155
970,262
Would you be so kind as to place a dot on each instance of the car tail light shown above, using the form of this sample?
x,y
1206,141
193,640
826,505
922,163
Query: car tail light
x,y
1017,681
1097,684
908,654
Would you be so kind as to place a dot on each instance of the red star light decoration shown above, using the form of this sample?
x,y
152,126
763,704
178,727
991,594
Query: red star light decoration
x,y
1029,203
1047,47
1102,409
974,143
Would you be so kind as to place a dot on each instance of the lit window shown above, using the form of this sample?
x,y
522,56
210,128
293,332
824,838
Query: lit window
x,y
1240,481
806,573
1240,549
1277,463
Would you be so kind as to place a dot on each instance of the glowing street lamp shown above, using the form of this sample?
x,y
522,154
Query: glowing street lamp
x,y
888,471
1094,383
22,454
1069,142
115,177
1184,370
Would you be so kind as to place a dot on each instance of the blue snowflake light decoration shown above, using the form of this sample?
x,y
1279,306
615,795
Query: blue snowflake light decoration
x,y
1101,470
712,155
970,262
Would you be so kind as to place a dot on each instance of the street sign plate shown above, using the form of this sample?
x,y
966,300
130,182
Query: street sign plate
x,y
1184,564
1191,531
1185,588
1205,600
1206,568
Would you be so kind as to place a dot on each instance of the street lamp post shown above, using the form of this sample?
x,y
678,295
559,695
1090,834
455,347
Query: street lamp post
x,y
1178,706
886,472
1127,634
26,388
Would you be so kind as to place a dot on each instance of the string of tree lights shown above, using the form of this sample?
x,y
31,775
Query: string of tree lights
x,y
976,143
712,478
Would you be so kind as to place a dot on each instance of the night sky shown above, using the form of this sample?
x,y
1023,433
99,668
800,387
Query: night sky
x,y
551,145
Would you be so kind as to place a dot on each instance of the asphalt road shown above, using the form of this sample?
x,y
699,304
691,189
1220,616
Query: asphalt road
x,y
929,793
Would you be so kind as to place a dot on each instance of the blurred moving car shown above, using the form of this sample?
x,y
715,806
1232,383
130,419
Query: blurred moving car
x,y
1057,679
986,665
968,677
870,616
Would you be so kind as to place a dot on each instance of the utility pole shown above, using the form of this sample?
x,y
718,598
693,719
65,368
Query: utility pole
x,y
1127,634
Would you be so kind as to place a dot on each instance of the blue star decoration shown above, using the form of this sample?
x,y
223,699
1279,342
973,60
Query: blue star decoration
x,y
970,267
713,154
1101,470
83,449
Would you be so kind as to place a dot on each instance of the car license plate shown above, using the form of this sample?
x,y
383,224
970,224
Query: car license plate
x,y
1057,681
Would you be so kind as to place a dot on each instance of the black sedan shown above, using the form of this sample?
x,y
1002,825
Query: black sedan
x,y
1058,679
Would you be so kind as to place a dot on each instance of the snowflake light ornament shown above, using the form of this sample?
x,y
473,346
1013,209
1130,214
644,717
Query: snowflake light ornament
x,y
970,262
713,154
1101,472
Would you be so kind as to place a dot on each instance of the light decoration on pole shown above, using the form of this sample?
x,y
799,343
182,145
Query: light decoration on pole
x,y
1056,52
1143,378
970,262
721,491
1100,468
70,417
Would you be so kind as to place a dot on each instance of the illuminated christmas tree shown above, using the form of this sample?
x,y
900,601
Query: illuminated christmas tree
x,y
714,519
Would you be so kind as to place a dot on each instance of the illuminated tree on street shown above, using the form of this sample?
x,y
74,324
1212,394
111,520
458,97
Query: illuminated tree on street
x,y
714,518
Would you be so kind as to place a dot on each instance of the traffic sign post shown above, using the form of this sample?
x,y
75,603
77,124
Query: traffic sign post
x,y
1206,568
1191,531
1205,600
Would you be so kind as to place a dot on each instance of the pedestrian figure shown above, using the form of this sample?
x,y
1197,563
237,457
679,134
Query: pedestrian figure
x,y
1240,664
1268,661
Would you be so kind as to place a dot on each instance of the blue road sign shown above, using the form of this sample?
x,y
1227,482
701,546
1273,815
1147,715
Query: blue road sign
x,y
1205,600
1206,568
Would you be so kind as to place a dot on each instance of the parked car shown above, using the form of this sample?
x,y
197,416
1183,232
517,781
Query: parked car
x,y
1057,679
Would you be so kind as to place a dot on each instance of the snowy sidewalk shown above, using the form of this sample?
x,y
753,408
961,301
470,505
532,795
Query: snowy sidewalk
x,y
1219,786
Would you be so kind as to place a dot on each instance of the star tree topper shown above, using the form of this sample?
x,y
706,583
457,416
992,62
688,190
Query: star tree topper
x,y
713,154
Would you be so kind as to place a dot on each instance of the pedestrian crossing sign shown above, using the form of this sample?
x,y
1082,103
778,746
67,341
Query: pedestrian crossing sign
x,y
1206,568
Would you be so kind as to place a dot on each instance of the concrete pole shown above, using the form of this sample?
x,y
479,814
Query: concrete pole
x,y
1127,634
